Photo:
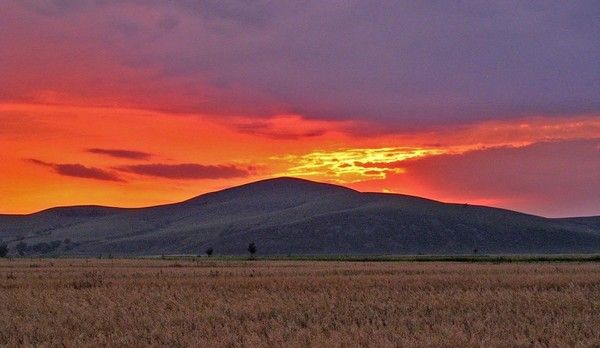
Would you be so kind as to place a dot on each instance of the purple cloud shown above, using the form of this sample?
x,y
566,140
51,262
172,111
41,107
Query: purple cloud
x,y
405,64
187,171
119,153
267,129
78,171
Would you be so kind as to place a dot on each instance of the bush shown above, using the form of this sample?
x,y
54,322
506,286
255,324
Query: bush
x,y
45,248
3,250
21,248
55,244
252,248
209,252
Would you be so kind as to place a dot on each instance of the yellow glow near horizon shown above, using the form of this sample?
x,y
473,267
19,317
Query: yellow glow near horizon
x,y
352,165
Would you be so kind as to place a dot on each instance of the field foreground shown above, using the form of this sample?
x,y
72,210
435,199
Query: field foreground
x,y
297,303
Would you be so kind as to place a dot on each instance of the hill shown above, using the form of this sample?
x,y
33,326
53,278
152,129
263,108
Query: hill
x,y
295,216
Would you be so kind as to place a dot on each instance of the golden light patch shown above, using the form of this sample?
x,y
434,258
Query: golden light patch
x,y
353,165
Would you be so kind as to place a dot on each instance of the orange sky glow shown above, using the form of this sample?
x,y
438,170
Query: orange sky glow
x,y
44,146
138,103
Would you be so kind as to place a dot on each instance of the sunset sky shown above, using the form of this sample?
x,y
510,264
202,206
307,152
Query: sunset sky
x,y
137,103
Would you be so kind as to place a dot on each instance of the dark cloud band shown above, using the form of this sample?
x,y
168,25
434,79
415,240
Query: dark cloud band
x,y
120,153
187,171
79,171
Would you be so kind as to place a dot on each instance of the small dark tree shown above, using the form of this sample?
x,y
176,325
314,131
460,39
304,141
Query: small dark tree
x,y
21,248
252,248
475,251
3,250
54,244
209,252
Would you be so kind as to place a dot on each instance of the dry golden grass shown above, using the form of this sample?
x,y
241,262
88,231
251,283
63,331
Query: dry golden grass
x,y
297,303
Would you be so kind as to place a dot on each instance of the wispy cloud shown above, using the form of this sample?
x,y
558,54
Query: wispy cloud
x,y
120,153
78,170
188,170
271,130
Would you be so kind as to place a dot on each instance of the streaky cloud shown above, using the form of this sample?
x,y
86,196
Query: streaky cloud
x,y
120,153
78,170
188,171
267,129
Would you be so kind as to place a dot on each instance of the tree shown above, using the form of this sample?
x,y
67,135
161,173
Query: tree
x,y
54,244
3,250
209,252
21,248
252,248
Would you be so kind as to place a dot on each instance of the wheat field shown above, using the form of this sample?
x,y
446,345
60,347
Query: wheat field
x,y
297,303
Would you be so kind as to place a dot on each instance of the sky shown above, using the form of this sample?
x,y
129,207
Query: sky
x,y
137,103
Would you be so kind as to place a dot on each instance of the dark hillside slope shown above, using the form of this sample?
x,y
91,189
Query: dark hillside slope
x,y
294,216
590,222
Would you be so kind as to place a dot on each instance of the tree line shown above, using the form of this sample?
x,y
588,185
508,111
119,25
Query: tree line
x,y
43,248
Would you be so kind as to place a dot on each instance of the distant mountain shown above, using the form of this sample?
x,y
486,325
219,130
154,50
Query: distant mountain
x,y
295,216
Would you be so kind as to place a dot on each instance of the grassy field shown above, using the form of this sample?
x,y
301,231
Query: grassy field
x,y
70,302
